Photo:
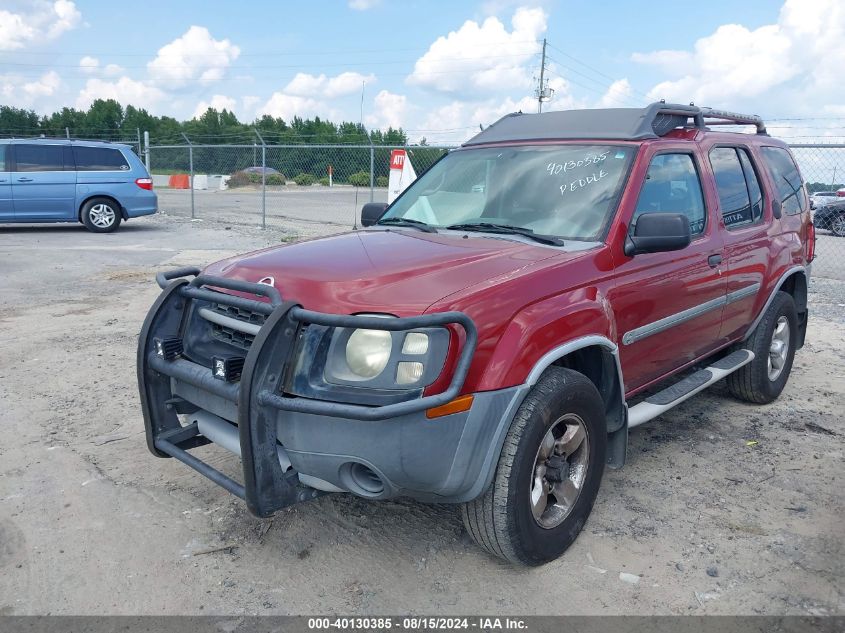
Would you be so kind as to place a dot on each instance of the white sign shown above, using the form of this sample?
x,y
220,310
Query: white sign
x,y
402,174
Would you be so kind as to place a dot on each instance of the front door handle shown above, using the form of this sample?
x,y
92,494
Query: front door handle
x,y
24,179
714,260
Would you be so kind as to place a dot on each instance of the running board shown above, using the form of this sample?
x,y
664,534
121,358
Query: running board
x,y
662,401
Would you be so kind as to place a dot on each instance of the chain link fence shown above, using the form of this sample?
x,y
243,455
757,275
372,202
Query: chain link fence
x,y
277,185
319,189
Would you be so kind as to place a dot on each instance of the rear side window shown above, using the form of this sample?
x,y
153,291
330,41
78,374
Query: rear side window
x,y
740,198
99,159
787,179
40,158
672,186
3,166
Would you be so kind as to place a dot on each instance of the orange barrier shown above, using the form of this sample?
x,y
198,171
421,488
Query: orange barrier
x,y
179,181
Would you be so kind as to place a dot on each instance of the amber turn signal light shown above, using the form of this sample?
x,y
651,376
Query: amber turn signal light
x,y
458,405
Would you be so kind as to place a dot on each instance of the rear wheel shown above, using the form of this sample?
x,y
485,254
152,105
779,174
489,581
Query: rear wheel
x,y
837,225
548,473
773,344
100,215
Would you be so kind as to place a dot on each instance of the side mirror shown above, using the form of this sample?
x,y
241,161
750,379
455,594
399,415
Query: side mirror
x,y
372,212
777,209
658,233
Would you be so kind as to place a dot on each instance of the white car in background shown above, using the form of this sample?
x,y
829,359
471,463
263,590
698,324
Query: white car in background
x,y
821,198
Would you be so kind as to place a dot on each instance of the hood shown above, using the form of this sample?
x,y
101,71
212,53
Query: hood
x,y
395,271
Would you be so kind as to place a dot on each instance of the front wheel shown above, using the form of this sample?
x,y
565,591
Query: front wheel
x,y
548,473
100,215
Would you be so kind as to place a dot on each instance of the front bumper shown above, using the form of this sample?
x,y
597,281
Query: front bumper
x,y
292,447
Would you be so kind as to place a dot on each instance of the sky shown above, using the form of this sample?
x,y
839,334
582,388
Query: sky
x,y
438,69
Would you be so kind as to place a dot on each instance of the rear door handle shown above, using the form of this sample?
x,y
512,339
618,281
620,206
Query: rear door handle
x,y
714,260
24,179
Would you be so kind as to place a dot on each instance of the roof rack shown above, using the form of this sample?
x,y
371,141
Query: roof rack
x,y
724,117
630,124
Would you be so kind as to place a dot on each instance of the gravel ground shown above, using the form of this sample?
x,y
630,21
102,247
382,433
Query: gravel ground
x,y
723,508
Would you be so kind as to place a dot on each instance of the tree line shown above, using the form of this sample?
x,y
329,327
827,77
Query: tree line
x,y
108,120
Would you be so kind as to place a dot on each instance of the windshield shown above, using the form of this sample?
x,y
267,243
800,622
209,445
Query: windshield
x,y
568,191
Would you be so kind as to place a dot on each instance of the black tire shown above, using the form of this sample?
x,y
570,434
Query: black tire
x,y
501,520
100,215
837,225
752,382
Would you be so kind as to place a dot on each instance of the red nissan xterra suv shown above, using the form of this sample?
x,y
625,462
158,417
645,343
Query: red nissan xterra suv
x,y
490,337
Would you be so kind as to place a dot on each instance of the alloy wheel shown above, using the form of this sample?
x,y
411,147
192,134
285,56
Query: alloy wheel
x,y
560,469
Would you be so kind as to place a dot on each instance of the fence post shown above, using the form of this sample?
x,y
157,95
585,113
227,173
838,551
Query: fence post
x,y
138,136
191,166
372,164
147,151
263,180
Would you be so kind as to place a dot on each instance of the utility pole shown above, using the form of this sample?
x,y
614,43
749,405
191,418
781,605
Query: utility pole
x,y
543,92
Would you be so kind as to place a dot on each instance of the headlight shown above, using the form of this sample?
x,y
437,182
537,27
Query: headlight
x,y
368,351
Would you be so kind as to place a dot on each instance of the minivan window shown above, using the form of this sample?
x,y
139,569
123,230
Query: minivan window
x,y
39,158
568,191
99,159
787,179
3,166
672,185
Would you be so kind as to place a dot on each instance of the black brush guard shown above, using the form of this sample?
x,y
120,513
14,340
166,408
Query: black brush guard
x,y
266,488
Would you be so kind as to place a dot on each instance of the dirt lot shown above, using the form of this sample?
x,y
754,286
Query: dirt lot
x,y
723,508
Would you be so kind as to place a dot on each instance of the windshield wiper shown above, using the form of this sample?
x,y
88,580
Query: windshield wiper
x,y
489,227
416,224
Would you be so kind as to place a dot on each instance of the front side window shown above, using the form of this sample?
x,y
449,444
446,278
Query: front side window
x,y
99,159
568,191
740,197
672,185
39,157
787,180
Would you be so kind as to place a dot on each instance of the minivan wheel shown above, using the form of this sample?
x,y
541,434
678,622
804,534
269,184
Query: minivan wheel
x,y
773,344
548,474
100,215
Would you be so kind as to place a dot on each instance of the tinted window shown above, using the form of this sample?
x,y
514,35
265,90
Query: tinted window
x,y
730,184
754,189
787,179
39,157
672,186
3,166
99,159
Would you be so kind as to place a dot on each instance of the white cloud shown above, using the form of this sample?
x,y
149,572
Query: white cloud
x,y
218,102
389,110
16,91
112,70
485,57
363,5
287,106
89,64
41,20
305,85
776,66
194,55
140,94
618,95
